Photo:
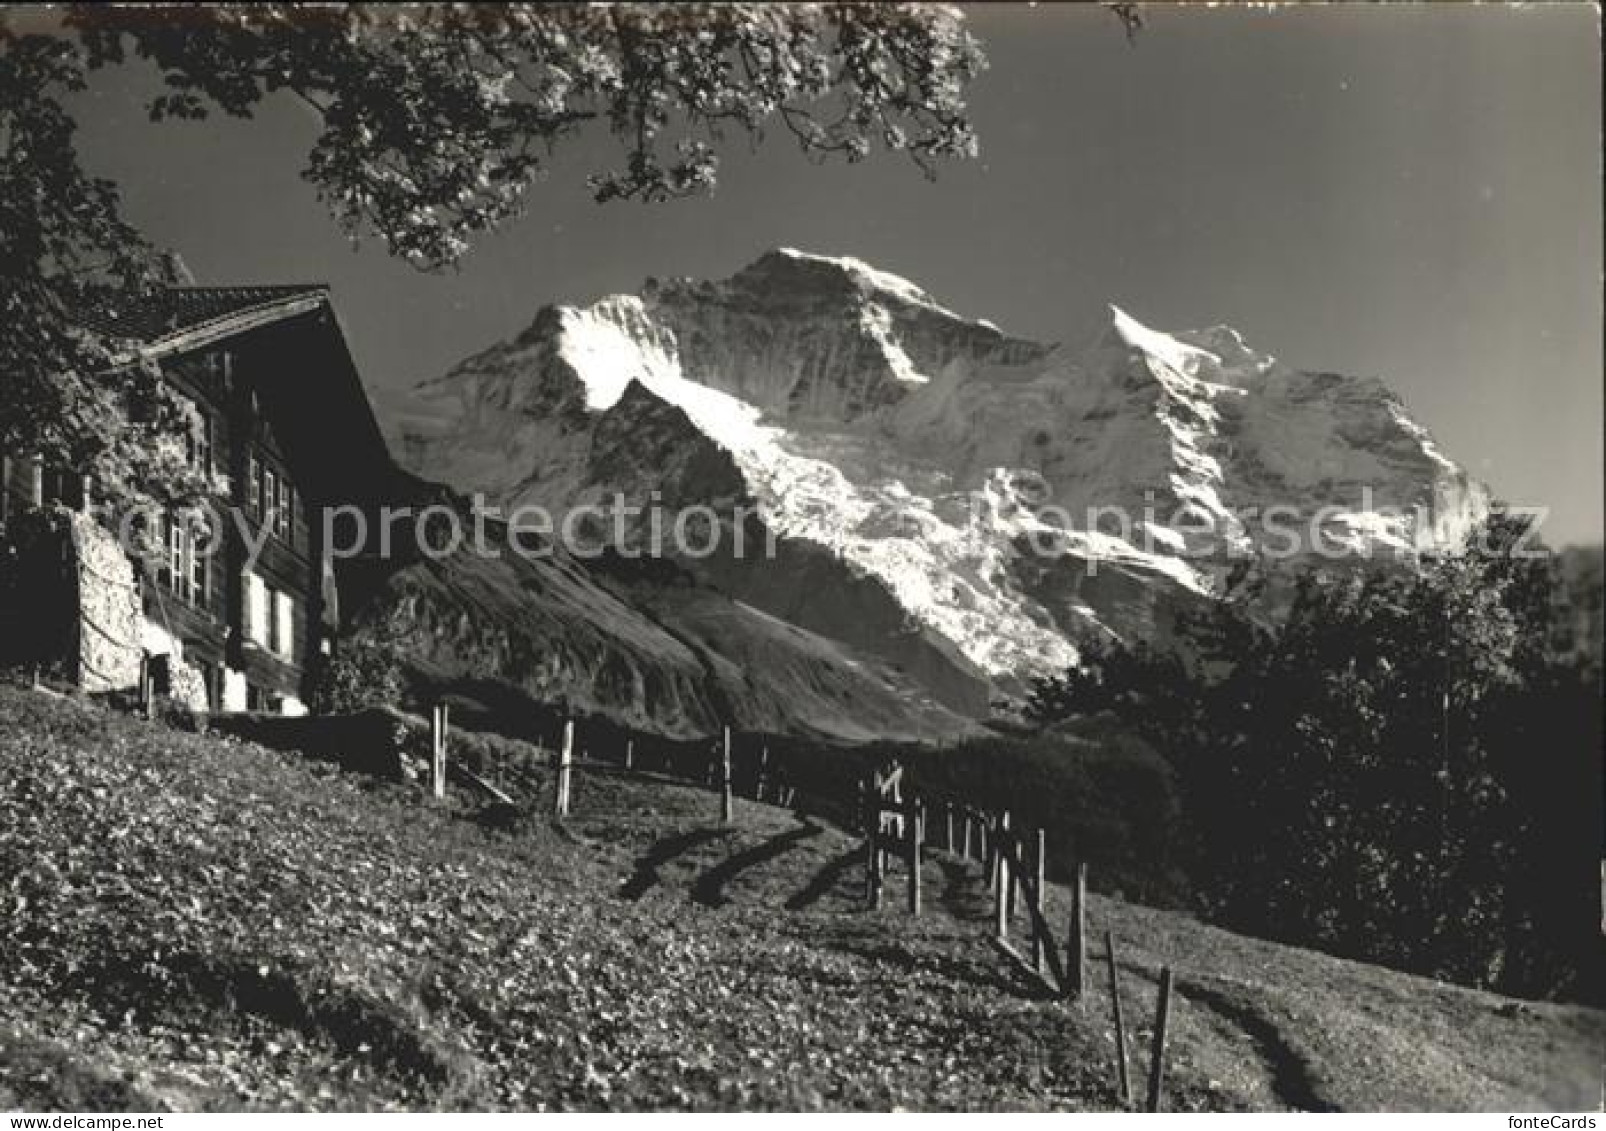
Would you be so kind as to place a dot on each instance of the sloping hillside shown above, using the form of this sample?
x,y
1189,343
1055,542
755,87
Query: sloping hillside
x,y
196,923
642,644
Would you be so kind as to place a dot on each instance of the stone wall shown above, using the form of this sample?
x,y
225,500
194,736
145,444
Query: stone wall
x,y
110,619
69,601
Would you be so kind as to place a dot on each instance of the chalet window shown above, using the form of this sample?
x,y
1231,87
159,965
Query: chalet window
x,y
270,492
173,567
284,509
184,571
272,499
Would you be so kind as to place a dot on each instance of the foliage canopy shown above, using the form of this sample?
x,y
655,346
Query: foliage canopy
x,y
435,121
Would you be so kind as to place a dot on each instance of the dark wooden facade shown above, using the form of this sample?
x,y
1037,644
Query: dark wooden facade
x,y
285,424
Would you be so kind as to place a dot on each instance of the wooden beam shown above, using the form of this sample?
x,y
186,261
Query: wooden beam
x,y
1013,872
1000,878
1123,1077
1038,854
478,782
891,782
872,846
912,837
1024,966
1162,1017
1034,906
438,724
726,804
1076,946
565,769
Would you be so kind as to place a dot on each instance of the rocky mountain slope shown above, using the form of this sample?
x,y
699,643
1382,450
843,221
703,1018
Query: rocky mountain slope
x,y
642,644
959,503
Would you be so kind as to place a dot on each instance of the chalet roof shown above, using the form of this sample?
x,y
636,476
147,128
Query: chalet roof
x,y
338,449
183,317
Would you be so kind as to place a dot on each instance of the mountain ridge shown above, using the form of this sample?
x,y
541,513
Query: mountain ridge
x,y
961,471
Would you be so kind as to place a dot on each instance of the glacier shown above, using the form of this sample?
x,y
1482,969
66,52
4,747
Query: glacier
x,y
958,480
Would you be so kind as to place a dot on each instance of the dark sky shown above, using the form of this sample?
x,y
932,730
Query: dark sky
x,y
1410,192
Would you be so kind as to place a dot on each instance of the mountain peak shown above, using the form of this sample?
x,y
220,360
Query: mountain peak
x,y
1173,353
910,450
1218,354
792,267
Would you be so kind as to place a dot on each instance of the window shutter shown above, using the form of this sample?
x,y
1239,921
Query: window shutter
x,y
283,609
256,609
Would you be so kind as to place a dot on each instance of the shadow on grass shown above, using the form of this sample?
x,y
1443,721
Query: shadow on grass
x,y
645,877
216,993
826,879
964,894
710,888
973,972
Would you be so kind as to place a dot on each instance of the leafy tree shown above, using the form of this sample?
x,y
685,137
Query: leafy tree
x,y
64,246
1403,767
436,119
360,675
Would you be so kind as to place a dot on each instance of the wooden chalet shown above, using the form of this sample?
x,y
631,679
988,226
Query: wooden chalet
x,y
284,419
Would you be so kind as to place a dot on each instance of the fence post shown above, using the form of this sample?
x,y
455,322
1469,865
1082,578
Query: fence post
x,y
872,844
878,857
630,753
1162,1016
1076,947
867,818
989,850
1038,854
1123,1077
725,804
914,833
437,751
1008,874
565,768
1000,879
968,820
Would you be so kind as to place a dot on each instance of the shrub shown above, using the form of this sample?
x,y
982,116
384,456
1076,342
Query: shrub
x,y
361,674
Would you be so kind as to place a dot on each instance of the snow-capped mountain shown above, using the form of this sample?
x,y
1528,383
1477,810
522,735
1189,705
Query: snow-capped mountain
x,y
965,504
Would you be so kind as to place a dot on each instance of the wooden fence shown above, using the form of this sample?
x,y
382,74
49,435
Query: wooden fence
x,y
1014,861
895,822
